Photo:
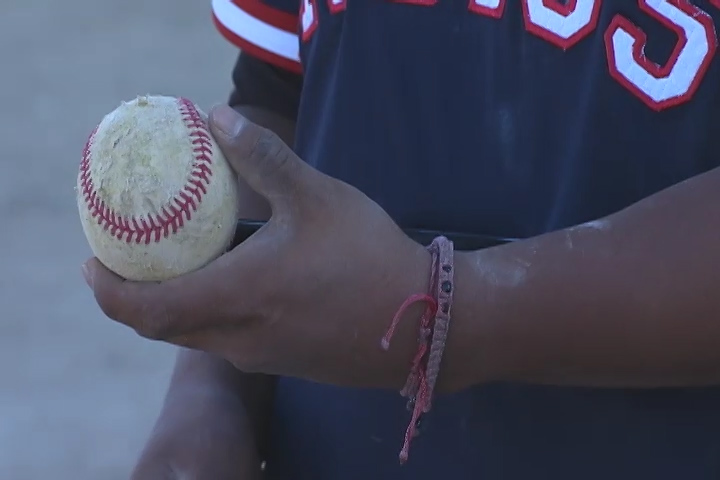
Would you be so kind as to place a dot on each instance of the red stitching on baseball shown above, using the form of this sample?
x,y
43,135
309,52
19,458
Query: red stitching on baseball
x,y
174,214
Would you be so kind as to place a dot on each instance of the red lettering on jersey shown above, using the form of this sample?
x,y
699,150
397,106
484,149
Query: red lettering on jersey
x,y
337,6
490,8
308,18
665,86
561,23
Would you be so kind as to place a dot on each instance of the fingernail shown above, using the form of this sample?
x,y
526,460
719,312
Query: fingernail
x,y
87,275
227,120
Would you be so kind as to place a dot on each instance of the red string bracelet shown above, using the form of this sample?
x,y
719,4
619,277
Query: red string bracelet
x,y
432,336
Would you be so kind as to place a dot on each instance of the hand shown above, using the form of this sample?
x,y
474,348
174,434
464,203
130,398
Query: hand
x,y
311,294
200,435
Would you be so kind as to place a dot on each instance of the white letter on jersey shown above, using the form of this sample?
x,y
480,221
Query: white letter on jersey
x,y
308,18
491,8
674,83
561,23
337,6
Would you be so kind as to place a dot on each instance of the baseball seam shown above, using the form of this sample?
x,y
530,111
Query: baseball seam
x,y
153,227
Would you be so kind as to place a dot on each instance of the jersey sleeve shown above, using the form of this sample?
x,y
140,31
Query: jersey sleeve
x,y
266,29
260,84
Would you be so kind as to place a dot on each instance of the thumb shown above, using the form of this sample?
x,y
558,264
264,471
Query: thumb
x,y
259,156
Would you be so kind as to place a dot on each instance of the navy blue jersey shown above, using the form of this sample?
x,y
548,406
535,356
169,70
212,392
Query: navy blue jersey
x,y
531,115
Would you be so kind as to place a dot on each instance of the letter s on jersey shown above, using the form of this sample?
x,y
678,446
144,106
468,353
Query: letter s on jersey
x,y
561,23
665,86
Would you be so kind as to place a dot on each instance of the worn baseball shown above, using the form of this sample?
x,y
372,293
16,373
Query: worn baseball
x,y
157,198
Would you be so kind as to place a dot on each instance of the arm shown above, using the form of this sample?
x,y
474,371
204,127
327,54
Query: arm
x,y
199,375
627,301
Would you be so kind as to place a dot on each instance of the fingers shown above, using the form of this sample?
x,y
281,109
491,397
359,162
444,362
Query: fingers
x,y
209,297
174,308
266,163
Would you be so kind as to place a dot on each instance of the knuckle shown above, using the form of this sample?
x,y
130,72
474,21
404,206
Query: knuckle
x,y
269,152
266,144
281,161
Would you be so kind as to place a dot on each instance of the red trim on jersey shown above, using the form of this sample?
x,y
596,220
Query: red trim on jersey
x,y
715,3
272,16
487,11
654,69
337,7
564,10
256,50
307,33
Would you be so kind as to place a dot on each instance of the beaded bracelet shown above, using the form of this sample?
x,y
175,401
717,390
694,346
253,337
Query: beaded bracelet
x,y
433,331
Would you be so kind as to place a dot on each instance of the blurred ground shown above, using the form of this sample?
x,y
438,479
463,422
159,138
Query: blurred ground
x,y
78,394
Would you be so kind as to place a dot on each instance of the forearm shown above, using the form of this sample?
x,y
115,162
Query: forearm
x,y
200,375
627,301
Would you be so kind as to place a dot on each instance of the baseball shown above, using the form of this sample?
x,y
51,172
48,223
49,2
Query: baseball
x,y
156,196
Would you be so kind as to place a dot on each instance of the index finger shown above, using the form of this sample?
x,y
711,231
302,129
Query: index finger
x,y
161,310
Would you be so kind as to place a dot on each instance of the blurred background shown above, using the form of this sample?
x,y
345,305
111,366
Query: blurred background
x,y
79,394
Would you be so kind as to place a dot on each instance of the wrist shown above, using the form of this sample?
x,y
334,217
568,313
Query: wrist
x,y
476,351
